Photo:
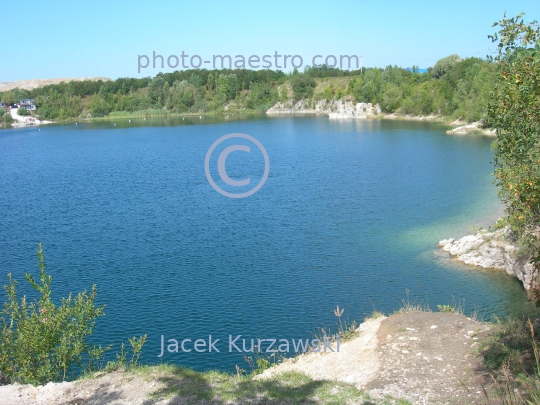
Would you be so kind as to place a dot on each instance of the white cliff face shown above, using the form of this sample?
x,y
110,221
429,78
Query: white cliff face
x,y
336,109
301,107
360,110
491,250
518,266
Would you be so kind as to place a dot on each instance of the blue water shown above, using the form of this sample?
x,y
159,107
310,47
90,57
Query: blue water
x,y
350,215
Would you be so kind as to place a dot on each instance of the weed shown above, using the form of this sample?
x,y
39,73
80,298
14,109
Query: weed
x,y
446,308
412,306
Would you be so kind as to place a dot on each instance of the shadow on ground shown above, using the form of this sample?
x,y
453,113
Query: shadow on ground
x,y
184,386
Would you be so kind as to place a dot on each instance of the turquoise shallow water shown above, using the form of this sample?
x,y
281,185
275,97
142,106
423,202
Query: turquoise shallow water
x,y
350,215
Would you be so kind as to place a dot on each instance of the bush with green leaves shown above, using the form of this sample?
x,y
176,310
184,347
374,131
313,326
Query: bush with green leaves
x,y
514,110
8,119
23,111
41,341
122,362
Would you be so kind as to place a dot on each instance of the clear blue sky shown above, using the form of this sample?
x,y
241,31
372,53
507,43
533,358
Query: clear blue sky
x,y
48,39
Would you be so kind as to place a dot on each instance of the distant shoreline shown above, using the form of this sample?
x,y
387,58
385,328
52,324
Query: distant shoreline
x,y
459,127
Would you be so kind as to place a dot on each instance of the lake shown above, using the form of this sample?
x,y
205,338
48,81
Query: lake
x,y
350,215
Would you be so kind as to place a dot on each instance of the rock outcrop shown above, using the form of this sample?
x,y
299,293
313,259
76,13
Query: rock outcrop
x,y
492,250
475,127
336,109
360,110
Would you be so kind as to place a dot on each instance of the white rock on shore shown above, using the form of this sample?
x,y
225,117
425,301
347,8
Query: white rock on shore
x,y
491,250
360,110
336,109
470,128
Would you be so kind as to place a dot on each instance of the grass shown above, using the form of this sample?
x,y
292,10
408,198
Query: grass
x,y
374,315
412,306
185,385
510,342
139,113
511,352
217,387
337,82
149,113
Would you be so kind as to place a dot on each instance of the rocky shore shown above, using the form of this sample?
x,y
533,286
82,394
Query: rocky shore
x,y
464,129
340,109
492,250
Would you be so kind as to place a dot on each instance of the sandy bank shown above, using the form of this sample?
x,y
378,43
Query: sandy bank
x,y
24,121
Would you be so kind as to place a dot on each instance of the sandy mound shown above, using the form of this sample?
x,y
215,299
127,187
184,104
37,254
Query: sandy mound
x,y
35,83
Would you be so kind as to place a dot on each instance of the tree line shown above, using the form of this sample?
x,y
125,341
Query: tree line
x,y
453,87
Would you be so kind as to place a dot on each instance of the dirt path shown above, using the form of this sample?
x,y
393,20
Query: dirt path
x,y
22,121
419,356
357,361
425,357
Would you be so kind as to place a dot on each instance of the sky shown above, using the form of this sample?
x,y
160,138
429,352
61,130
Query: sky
x,y
61,39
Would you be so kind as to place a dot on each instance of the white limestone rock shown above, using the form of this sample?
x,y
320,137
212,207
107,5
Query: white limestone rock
x,y
491,250
336,109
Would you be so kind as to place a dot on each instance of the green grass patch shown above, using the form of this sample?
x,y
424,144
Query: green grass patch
x,y
140,113
186,385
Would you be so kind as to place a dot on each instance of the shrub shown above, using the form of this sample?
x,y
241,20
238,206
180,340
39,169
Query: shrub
x,y
391,99
8,119
40,341
23,111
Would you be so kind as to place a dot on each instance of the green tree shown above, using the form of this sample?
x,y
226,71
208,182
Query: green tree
x,y
227,87
182,97
391,97
22,111
155,91
99,106
20,94
302,86
514,110
444,65
8,97
354,87
370,92
421,101
261,95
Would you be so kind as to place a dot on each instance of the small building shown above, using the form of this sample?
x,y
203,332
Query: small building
x,y
28,103
2,105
